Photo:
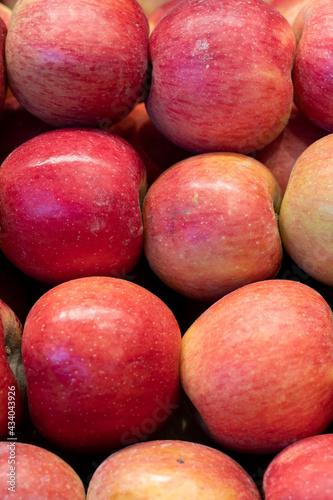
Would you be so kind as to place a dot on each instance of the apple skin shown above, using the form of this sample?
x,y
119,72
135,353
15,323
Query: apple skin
x,y
210,225
70,205
12,377
265,353
154,149
17,126
171,469
88,75
281,154
302,471
38,473
221,75
306,217
101,357
313,64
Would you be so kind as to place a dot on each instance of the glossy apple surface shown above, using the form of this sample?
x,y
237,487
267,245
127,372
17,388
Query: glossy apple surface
x,y
12,377
171,469
221,75
313,64
303,471
77,63
101,357
265,353
70,205
28,471
210,225
306,219
281,154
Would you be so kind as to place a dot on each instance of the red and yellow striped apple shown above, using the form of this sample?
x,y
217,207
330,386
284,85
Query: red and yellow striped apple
x,y
306,216
28,471
77,63
221,75
257,366
302,471
210,225
313,66
171,469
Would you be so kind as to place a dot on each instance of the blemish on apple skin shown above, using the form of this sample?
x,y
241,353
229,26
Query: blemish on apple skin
x,y
180,460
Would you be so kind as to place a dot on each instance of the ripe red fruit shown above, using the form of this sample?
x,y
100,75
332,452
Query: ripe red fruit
x,y
70,205
101,357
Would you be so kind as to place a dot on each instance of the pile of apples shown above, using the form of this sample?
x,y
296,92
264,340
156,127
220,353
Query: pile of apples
x,y
166,238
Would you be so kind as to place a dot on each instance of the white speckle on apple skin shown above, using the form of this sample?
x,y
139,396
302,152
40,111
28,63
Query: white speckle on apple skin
x,y
108,340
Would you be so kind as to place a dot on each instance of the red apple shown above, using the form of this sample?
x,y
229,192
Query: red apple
x,y
171,469
12,377
70,205
101,357
158,13
210,225
281,154
155,150
77,63
303,471
221,75
265,353
29,472
17,126
289,8
314,62
306,218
